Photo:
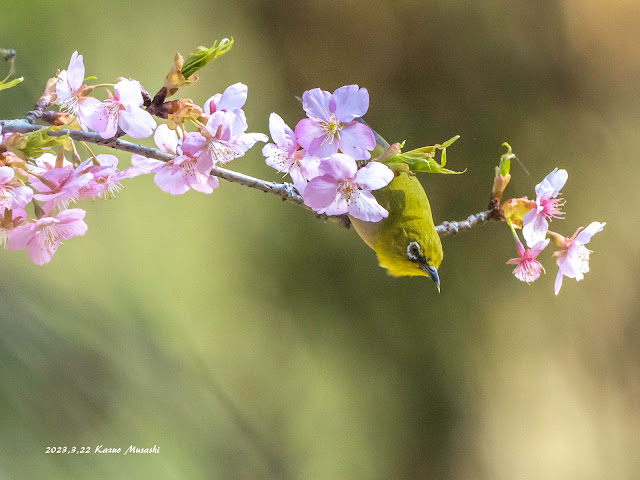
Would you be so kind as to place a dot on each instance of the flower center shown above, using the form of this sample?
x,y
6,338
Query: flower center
x,y
188,168
70,105
113,106
111,190
222,151
331,128
5,197
50,236
529,270
346,188
552,207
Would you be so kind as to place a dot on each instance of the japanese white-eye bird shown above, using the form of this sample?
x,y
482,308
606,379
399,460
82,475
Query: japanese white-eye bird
x,y
406,242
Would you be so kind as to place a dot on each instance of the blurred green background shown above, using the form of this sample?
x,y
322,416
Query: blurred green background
x,y
249,340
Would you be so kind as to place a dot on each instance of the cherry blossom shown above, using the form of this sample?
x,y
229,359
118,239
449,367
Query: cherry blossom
x,y
72,97
123,110
231,100
546,206
528,268
573,258
226,139
59,187
185,171
332,124
106,177
42,237
341,188
285,157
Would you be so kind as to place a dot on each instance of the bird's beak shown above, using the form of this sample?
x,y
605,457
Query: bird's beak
x,y
433,274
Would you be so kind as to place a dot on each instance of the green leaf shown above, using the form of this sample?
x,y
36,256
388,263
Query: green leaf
x,y
449,142
203,55
423,159
505,161
40,142
5,85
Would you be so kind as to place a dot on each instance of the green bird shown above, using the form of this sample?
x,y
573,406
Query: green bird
x,y
406,242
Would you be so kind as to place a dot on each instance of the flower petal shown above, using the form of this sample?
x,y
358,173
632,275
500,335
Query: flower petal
x,y
299,181
75,72
317,103
21,196
171,182
321,147
193,143
129,93
166,139
71,228
534,227
558,282
6,174
136,123
107,160
19,237
357,140
281,134
93,114
277,158
585,235
247,140
233,98
339,166
557,179
147,165
320,192
364,206
373,176
111,126
309,165
40,250
351,102
308,130
338,207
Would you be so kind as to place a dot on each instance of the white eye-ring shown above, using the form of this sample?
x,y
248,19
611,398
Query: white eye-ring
x,y
414,252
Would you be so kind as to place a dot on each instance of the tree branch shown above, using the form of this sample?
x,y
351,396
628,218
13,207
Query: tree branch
x,y
286,191
452,228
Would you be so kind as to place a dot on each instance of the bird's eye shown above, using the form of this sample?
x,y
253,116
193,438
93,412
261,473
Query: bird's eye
x,y
414,251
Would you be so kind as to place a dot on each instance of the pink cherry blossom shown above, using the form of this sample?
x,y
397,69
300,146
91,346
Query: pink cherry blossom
x,y
528,268
341,188
546,206
59,187
42,237
106,177
573,258
71,96
182,173
332,124
226,139
13,195
123,110
232,100
284,156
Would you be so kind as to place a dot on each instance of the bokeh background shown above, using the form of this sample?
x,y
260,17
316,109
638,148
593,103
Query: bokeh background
x,y
249,340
